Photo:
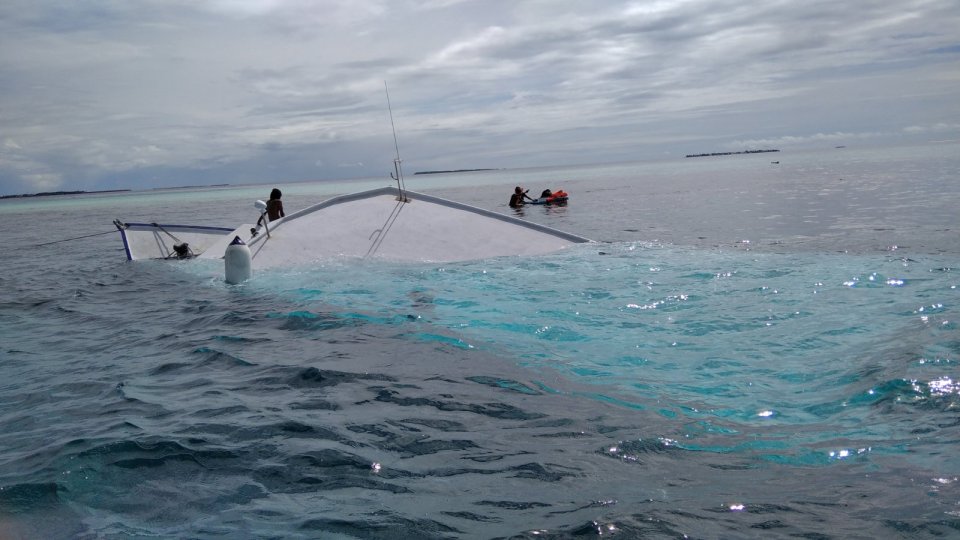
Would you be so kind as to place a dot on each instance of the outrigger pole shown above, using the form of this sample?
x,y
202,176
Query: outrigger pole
x,y
397,162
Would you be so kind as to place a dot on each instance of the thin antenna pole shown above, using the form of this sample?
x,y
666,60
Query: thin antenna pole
x,y
397,162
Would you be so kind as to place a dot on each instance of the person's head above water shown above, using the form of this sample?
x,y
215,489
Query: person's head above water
x,y
518,190
275,194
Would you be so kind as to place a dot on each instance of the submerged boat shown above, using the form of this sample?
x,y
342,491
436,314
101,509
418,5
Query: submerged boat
x,y
386,223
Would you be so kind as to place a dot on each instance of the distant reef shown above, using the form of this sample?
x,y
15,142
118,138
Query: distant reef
x,y
52,193
733,153
455,171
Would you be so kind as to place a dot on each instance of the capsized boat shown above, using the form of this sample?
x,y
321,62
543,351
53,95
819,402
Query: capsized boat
x,y
386,223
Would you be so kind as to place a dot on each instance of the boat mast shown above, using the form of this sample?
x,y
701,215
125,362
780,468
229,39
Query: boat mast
x,y
397,162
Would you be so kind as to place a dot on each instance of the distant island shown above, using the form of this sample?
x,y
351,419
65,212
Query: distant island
x,y
456,171
52,193
733,153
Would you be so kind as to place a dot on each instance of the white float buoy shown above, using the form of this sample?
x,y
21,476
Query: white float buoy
x,y
237,262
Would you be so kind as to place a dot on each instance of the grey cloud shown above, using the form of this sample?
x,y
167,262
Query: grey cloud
x,y
156,91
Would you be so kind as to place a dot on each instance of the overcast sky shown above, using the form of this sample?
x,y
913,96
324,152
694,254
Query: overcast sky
x,y
104,94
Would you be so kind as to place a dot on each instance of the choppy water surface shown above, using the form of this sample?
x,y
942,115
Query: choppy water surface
x,y
751,350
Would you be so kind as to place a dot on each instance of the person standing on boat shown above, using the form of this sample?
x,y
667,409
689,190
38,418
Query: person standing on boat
x,y
516,200
274,207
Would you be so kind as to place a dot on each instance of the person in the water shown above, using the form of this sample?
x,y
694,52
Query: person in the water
x,y
519,194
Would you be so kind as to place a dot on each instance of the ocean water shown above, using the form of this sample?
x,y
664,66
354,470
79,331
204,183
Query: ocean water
x,y
748,350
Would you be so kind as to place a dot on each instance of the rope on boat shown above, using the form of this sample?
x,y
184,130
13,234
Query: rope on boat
x,y
181,250
74,238
379,235
175,239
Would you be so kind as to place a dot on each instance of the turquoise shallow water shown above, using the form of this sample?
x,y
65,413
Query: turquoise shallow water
x,y
740,344
749,350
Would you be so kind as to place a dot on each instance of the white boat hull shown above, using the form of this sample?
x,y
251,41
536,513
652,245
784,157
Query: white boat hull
x,y
375,224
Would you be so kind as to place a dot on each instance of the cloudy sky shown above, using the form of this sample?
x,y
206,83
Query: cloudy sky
x,y
104,94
